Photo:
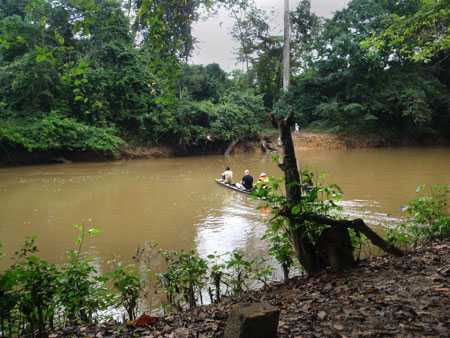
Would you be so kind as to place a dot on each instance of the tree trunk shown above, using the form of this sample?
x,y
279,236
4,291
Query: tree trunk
x,y
334,247
303,246
286,48
231,147
306,252
285,268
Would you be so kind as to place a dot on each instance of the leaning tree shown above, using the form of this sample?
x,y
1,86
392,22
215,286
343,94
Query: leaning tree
x,y
333,246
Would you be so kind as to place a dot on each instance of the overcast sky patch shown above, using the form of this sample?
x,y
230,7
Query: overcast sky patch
x,y
214,39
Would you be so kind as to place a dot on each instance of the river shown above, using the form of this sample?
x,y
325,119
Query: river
x,y
175,202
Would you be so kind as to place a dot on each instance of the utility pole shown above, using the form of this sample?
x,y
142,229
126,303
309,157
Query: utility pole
x,y
286,48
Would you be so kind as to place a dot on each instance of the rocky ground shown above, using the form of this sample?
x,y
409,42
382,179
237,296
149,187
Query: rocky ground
x,y
383,297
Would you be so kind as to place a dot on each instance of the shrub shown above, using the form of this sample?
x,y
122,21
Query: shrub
x,y
241,272
56,132
184,278
280,248
82,291
33,285
9,298
126,281
427,217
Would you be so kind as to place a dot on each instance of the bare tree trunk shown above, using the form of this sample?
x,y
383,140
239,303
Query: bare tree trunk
x,y
286,48
303,246
231,147
334,247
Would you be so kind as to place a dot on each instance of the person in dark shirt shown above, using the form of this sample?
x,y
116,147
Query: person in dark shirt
x,y
247,180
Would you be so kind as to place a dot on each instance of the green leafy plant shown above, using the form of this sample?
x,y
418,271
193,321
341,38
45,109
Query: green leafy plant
x,y
216,274
127,282
184,278
427,217
8,300
82,291
55,132
280,248
317,198
241,272
35,282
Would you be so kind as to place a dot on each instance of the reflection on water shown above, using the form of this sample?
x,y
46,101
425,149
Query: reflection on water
x,y
370,211
235,226
176,203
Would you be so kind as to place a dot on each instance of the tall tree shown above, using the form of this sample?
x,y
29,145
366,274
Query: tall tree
x,y
334,245
286,48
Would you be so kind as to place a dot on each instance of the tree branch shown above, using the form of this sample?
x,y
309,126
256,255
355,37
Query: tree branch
x,y
359,226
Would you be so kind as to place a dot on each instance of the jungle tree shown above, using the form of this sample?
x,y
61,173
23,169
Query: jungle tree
x,y
333,245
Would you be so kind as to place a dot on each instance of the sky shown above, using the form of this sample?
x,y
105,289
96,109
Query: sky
x,y
214,39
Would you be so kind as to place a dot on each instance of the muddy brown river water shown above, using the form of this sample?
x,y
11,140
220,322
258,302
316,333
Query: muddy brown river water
x,y
176,203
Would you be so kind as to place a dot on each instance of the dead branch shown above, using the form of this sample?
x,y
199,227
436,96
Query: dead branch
x,y
231,147
359,226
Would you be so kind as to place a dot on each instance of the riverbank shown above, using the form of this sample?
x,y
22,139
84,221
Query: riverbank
x,y
267,142
127,152
383,297
323,140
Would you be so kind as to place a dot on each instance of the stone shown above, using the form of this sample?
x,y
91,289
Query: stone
x,y
182,333
322,315
252,320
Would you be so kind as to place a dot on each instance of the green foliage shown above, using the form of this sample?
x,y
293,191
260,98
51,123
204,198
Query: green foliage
x,y
201,83
317,198
419,36
241,272
56,132
73,76
427,217
280,247
9,299
235,116
188,276
345,86
29,287
184,278
233,273
127,282
82,291
260,51
36,295
350,89
38,287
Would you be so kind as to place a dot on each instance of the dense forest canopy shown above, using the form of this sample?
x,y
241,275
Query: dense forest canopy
x,y
376,66
89,74
95,74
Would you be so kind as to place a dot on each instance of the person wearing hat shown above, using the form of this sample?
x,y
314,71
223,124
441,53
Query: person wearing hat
x,y
263,181
263,178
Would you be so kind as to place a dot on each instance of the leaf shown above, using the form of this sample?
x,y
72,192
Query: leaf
x,y
94,231
296,210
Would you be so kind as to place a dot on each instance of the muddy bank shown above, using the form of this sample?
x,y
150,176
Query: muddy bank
x,y
129,153
14,157
267,143
313,140
383,297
